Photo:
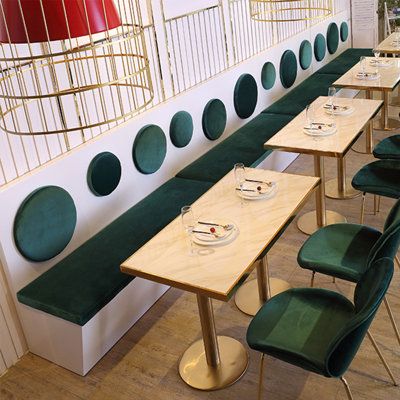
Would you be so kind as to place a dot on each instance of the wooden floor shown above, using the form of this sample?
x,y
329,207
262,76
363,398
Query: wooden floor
x,y
143,364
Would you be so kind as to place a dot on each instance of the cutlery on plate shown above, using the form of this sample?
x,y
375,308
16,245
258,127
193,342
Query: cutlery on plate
x,y
208,233
270,184
248,190
227,227
322,124
328,107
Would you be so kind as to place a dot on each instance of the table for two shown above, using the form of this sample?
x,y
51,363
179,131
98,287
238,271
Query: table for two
x,y
215,361
349,127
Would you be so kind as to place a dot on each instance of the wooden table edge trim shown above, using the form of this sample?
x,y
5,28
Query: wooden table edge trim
x,y
212,294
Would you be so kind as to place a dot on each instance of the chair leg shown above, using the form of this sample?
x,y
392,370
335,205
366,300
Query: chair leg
x,y
347,388
379,204
261,378
392,320
376,204
362,208
333,280
385,364
312,279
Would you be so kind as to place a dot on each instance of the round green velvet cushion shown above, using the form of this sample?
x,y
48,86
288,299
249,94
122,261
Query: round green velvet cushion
x,y
332,38
181,129
104,174
45,223
149,149
319,47
214,119
245,96
305,54
344,31
268,75
288,69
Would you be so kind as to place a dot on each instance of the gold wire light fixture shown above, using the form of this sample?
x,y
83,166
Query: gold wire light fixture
x,y
71,66
289,10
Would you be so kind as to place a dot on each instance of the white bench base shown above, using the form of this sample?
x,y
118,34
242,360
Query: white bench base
x,y
79,348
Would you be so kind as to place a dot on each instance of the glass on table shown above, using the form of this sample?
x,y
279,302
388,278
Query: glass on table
x,y
331,98
377,54
240,179
310,116
188,223
362,65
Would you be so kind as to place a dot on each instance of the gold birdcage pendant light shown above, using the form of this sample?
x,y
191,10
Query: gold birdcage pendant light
x,y
289,10
71,66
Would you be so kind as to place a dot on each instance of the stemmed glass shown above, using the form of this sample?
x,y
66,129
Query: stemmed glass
x,y
240,178
188,223
377,54
362,65
310,116
331,98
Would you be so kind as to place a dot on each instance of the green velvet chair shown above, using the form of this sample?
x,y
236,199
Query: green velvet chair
x,y
388,149
346,251
320,330
380,178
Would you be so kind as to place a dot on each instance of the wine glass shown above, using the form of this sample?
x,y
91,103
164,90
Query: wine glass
x,y
188,223
240,178
362,65
310,116
377,54
331,98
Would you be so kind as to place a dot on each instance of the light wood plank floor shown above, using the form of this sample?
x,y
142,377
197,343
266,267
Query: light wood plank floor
x,y
143,364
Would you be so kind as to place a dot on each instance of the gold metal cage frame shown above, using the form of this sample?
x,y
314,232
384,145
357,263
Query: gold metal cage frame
x,y
79,84
289,10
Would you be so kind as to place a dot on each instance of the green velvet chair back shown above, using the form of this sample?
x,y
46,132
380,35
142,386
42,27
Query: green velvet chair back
x,y
368,296
388,244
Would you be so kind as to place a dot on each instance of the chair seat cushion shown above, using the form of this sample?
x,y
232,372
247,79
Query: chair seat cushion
x,y
380,177
388,148
245,145
80,285
297,99
339,250
299,325
341,64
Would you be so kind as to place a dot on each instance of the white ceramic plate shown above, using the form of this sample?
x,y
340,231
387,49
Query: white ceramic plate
x,y
381,63
324,131
209,240
369,77
251,192
340,110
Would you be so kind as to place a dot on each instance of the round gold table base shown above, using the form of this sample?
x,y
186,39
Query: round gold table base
x,y
195,371
392,125
332,191
307,223
247,298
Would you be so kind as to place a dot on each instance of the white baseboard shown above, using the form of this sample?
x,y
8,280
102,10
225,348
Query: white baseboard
x,y
79,348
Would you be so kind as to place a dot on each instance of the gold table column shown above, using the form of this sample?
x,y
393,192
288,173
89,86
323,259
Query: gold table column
x,y
369,138
339,188
385,123
312,221
252,295
213,362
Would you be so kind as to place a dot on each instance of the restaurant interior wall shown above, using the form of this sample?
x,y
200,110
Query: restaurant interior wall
x,y
27,163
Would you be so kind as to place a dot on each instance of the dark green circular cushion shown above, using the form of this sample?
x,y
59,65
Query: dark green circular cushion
x,y
181,129
268,75
344,31
288,69
319,47
149,149
104,174
332,38
45,223
305,54
245,96
214,119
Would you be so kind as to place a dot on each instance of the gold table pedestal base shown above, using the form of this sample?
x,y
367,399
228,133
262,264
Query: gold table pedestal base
x,y
307,223
195,371
247,298
332,191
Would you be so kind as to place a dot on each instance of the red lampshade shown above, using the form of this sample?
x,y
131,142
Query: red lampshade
x,y
30,25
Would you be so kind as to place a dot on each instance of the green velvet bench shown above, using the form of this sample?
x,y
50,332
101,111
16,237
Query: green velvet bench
x,y
82,285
